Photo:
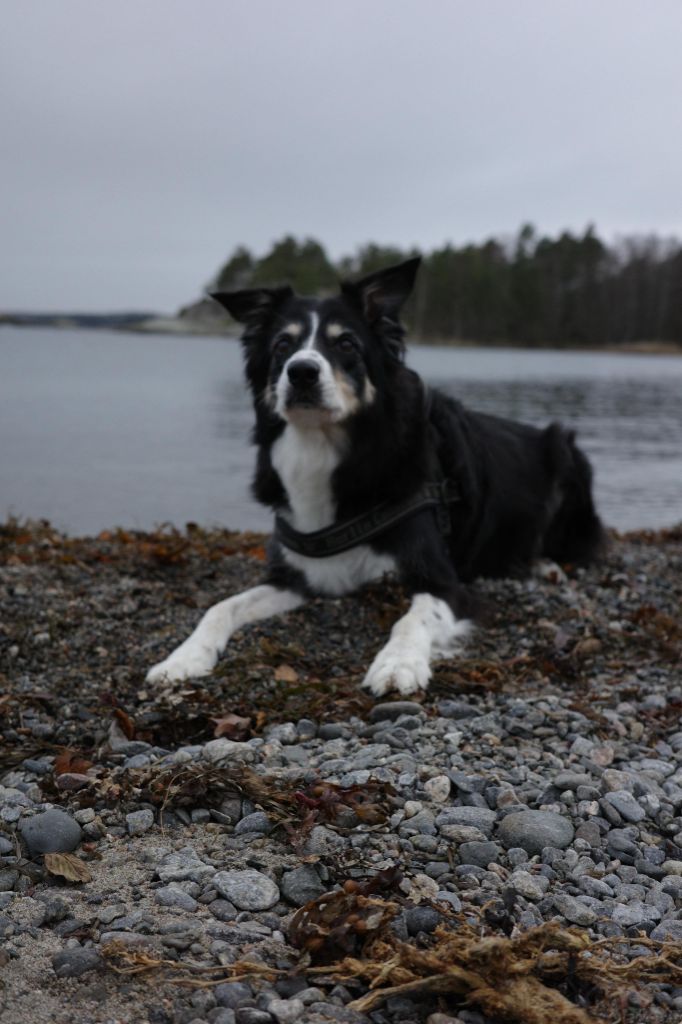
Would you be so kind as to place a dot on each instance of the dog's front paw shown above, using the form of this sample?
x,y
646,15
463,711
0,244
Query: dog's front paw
x,y
190,663
397,667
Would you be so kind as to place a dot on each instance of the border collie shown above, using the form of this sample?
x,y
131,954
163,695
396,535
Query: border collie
x,y
369,472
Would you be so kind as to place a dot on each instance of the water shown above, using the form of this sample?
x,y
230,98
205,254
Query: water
x,y
99,429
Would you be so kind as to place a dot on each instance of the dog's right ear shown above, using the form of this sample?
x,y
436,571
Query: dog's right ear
x,y
382,293
253,305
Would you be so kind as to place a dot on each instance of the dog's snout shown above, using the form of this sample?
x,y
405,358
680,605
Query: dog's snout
x,y
303,372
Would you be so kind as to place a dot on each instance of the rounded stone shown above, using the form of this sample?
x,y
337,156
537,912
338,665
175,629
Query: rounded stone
x,y
301,885
477,817
51,831
139,822
71,963
248,890
533,830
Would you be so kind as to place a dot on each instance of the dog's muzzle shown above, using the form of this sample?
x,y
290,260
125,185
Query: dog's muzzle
x,y
304,383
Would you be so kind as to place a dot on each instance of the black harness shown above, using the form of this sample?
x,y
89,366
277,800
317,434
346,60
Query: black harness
x,y
332,540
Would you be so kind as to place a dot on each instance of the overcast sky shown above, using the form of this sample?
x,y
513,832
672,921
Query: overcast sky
x,y
142,140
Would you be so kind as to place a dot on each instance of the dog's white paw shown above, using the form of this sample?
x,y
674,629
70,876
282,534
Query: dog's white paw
x,y
396,667
191,663
546,569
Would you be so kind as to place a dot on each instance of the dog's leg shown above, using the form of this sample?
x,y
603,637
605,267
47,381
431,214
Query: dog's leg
x,y
429,630
198,655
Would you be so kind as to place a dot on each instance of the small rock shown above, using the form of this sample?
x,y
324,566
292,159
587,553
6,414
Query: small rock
x,y
182,865
256,822
625,804
573,910
533,830
301,885
51,831
531,887
390,710
71,963
139,822
223,749
286,1011
421,919
635,915
481,854
477,817
232,994
667,931
248,890
438,788
169,896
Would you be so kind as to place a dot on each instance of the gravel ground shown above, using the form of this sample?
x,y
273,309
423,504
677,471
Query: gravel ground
x,y
537,783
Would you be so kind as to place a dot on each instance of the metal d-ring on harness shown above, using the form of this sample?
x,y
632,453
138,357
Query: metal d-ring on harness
x,y
332,540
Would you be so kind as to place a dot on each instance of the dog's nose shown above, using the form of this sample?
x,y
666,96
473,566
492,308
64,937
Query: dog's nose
x,y
303,372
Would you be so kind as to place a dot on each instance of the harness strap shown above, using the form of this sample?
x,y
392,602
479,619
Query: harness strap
x,y
332,540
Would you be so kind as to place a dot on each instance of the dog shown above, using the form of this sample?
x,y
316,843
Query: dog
x,y
371,472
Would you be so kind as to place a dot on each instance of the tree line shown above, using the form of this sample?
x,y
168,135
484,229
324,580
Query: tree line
x,y
533,290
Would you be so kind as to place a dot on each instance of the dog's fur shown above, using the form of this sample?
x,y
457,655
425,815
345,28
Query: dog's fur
x,y
342,425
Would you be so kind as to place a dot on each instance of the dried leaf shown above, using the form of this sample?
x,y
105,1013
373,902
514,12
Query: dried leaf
x,y
125,721
70,761
286,674
233,726
68,866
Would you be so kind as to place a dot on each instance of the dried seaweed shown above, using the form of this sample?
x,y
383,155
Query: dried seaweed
x,y
512,979
343,921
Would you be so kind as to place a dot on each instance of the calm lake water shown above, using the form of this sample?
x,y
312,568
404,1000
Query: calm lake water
x,y
99,429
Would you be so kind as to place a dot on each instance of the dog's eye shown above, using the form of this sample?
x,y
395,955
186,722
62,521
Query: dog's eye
x,y
283,345
346,343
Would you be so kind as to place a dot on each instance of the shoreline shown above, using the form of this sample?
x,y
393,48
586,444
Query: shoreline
x,y
170,325
530,799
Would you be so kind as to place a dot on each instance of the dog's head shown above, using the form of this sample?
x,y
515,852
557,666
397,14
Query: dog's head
x,y
314,362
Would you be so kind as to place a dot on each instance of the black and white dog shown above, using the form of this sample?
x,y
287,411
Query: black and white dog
x,y
371,472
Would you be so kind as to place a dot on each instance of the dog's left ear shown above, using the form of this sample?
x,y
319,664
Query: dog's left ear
x,y
382,293
253,305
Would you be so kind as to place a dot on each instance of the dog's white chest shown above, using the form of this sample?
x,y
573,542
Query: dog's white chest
x,y
305,461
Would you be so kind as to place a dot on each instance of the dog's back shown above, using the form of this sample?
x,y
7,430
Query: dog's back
x,y
526,492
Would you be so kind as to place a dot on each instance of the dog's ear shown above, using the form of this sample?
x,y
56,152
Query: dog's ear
x,y
253,305
382,293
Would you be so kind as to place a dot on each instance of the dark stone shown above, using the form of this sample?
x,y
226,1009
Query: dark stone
x,y
394,709
421,919
232,994
52,831
71,963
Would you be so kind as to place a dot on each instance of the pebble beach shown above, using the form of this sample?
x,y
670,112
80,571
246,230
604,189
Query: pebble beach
x,y
270,844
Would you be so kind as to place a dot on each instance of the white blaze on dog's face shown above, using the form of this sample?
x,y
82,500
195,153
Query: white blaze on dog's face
x,y
317,370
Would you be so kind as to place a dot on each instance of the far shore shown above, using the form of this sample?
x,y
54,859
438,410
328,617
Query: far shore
x,y
149,323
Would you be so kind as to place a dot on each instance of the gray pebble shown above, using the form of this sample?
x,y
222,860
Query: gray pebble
x,y
52,831
71,963
481,854
573,910
139,822
390,710
626,805
183,864
248,890
256,822
232,994
301,885
534,830
476,817
169,896
667,931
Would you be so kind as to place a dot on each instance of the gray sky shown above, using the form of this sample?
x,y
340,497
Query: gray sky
x,y
143,139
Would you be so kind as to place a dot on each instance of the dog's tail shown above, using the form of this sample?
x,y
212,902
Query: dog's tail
x,y
574,533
